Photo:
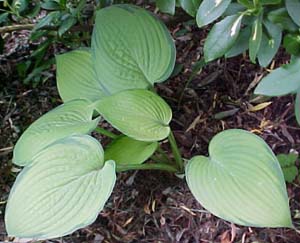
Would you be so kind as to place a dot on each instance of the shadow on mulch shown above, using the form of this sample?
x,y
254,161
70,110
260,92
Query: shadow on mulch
x,y
152,206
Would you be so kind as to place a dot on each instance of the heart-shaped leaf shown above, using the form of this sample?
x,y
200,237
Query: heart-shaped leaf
x,y
139,114
76,78
131,48
74,117
63,190
241,181
127,151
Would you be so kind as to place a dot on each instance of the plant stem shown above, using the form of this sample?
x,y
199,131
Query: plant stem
x,y
105,132
158,159
197,68
163,154
148,166
176,152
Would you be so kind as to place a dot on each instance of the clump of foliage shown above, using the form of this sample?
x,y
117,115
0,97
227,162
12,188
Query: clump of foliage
x,y
288,165
68,177
259,27
55,27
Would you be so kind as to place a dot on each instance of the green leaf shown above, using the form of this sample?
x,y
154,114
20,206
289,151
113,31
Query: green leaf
x,y
50,5
291,43
281,17
293,8
34,11
76,78
131,48
63,190
3,17
20,5
74,117
127,151
241,181
190,6
281,81
297,107
234,8
247,3
166,6
241,45
66,25
287,163
49,19
255,40
139,114
286,160
210,10
270,2
222,37
270,44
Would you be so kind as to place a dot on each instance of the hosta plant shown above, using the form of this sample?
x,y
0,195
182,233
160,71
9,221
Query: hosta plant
x,y
68,177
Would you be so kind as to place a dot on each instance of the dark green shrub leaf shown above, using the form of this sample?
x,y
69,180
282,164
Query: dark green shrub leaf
x,y
247,3
241,45
190,6
281,17
234,8
3,17
49,19
293,8
270,44
20,5
291,43
66,25
63,190
240,181
166,6
50,5
139,114
74,117
76,78
33,12
222,37
127,151
255,40
209,11
270,2
287,163
131,49
36,75
282,81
